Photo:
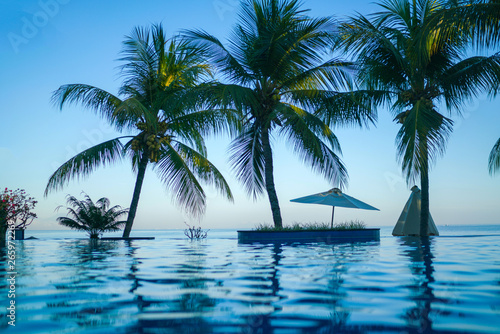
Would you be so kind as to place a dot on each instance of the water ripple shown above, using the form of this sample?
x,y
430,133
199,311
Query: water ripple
x,y
172,285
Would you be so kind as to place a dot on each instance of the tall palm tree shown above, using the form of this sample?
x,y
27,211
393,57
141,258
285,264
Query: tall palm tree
x,y
93,218
279,81
169,128
419,67
480,19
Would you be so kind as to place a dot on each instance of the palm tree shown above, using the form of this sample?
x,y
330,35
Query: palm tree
x,y
93,218
168,127
419,67
279,82
481,20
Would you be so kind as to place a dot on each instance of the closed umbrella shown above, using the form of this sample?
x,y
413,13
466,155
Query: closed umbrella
x,y
334,197
409,220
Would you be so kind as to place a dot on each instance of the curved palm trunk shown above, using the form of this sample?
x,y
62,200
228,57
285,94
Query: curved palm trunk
x,y
137,192
269,179
424,208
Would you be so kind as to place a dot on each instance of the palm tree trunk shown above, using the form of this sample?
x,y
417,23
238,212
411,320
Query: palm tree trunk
x,y
424,206
269,179
137,192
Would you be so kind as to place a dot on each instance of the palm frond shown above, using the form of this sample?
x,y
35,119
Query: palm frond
x,y
140,59
494,159
474,20
71,223
227,96
175,174
218,54
421,139
204,170
90,97
306,132
84,163
362,38
246,156
340,108
470,77
186,132
206,122
334,74
130,112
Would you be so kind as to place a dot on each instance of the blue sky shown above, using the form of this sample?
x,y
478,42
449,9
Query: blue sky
x,y
45,44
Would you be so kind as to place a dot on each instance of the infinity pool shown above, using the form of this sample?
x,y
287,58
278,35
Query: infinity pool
x,y
66,284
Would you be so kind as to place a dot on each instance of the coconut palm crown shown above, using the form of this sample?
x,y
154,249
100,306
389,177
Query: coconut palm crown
x,y
279,77
480,19
421,69
166,128
93,218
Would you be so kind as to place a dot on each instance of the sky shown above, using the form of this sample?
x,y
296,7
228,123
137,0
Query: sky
x,y
48,43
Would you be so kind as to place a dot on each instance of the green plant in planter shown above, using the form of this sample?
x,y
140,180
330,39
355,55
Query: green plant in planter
x,y
93,218
348,225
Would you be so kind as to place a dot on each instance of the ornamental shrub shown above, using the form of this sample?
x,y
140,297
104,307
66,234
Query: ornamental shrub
x,y
16,208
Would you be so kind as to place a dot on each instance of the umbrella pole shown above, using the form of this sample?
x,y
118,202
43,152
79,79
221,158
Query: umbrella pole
x,y
333,211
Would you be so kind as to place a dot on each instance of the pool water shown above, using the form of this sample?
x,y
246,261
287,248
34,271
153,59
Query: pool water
x,y
67,284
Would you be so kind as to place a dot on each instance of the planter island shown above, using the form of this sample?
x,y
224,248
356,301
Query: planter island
x,y
328,236
128,238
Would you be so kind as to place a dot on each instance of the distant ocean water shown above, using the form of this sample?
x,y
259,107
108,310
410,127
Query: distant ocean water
x,y
66,284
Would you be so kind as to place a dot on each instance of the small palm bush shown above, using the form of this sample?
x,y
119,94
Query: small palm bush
x,y
93,218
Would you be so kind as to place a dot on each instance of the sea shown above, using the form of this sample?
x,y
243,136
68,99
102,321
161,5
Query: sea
x,y
62,282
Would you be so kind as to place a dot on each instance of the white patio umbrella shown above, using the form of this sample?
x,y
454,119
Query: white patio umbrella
x,y
334,197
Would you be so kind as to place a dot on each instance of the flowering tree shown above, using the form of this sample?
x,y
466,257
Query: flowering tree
x,y
16,209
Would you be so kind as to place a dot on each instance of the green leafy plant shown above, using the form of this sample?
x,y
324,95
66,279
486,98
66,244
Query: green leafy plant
x,y
195,233
350,225
316,226
93,218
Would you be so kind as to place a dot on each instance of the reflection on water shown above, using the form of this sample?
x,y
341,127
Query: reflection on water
x,y
173,285
79,300
419,252
183,308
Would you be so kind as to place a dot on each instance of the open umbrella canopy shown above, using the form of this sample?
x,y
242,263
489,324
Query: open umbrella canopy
x,y
334,197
